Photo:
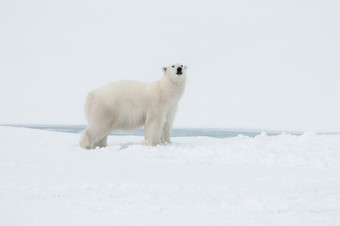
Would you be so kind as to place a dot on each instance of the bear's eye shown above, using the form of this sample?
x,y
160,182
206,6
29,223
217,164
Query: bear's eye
x,y
173,65
181,65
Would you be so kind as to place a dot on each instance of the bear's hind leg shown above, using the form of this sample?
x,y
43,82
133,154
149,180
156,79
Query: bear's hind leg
x,y
95,136
102,143
85,141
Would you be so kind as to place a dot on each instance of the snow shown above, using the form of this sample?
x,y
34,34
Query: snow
x,y
46,179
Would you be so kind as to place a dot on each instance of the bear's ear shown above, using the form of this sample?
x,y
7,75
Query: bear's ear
x,y
164,69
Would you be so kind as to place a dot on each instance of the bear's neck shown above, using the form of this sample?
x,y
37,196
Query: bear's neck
x,y
171,90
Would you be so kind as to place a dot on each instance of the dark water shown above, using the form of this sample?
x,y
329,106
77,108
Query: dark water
x,y
176,132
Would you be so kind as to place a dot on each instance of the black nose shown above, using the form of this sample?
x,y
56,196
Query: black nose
x,y
179,69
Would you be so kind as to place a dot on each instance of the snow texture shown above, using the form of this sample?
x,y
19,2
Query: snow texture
x,y
47,179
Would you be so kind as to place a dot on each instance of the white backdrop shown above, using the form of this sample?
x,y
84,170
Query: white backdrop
x,y
251,64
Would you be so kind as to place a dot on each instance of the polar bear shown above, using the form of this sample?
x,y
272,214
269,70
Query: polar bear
x,y
127,105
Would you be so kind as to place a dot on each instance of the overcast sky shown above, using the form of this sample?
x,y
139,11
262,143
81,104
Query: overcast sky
x,y
251,64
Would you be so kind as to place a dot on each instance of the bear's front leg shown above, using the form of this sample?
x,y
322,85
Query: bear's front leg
x,y
166,131
153,129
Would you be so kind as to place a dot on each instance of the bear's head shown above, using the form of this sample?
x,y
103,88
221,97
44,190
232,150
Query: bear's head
x,y
175,72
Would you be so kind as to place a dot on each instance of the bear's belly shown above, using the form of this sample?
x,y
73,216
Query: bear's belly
x,y
130,118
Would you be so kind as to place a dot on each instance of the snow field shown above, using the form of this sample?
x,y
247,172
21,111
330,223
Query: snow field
x,y
46,179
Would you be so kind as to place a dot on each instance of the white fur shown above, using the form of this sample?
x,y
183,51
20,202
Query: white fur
x,y
127,105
